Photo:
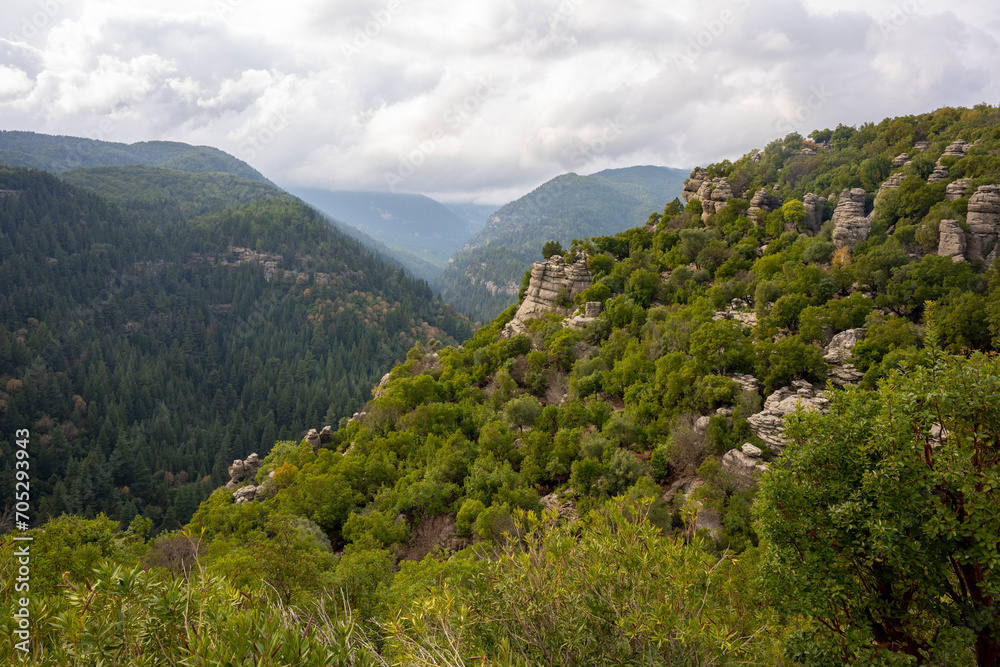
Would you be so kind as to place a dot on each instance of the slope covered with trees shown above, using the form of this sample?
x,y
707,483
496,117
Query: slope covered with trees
x,y
148,350
545,497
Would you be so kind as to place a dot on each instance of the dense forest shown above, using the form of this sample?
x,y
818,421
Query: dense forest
x,y
150,346
482,278
538,494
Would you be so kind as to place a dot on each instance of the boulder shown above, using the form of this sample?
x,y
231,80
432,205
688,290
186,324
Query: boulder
x,y
769,424
956,189
850,225
839,349
951,239
742,468
246,494
984,224
751,450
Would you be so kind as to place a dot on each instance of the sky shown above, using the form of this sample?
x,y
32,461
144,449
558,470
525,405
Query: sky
x,y
483,100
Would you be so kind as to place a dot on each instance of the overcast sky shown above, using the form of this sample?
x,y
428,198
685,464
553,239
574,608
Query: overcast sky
x,y
483,99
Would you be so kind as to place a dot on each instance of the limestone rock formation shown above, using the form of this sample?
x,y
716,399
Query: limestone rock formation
x,y
839,349
713,193
901,159
814,211
761,204
550,283
769,424
591,311
319,438
891,183
743,466
956,149
922,146
939,174
746,382
984,224
850,225
956,189
243,471
951,240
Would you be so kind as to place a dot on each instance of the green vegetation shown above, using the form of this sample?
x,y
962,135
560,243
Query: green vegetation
x,y
146,352
568,496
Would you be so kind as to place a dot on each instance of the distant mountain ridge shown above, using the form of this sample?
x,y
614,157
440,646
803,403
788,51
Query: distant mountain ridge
x,y
483,277
419,230
62,153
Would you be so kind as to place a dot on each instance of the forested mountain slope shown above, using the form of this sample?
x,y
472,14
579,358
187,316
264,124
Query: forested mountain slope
x,y
624,479
149,349
483,277
58,153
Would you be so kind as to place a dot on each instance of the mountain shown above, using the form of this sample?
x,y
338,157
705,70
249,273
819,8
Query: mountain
x,y
475,214
419,230
152,339
759,428
59,153
486,273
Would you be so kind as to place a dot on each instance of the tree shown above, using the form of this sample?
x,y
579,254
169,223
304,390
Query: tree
x,y
794,212
883,519
551,248
523,411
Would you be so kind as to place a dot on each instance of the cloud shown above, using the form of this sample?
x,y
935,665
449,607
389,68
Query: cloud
x,y
485,100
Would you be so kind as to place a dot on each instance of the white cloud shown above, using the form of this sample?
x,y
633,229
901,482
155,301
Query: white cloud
x,y
683,83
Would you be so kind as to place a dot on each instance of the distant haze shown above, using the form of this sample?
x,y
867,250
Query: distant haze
x,y
482,101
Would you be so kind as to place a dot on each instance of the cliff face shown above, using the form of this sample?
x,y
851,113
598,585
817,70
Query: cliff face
x,y
551,289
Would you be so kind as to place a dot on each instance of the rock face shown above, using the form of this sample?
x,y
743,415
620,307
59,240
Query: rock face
x,y
769,424
761,204
984,224
922,146
550,281
850,225
243,471
901,159
951,240
319,438
956,189
743,465
591,311
814,211
956,149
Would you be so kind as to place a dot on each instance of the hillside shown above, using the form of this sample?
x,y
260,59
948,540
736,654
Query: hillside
x,y
483,277
419,231
760,428
57,154
149,348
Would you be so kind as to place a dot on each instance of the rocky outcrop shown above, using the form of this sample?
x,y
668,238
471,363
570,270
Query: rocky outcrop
x,y
591,311
746,382
983,219
850,225
319,438
956,189
939,174
713,193
815,206
552,287
956,149
243,471
838,353
901,159
891,183
761,204
769,424
951,240
922,146
743,466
